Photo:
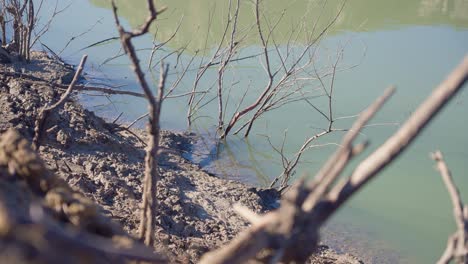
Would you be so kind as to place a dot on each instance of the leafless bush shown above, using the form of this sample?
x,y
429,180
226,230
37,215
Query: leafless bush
x,y
221,57
285,83
20,15
290,233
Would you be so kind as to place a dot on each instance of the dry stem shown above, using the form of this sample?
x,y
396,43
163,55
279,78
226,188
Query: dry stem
x,y
149,204
457,244
39,125
290,233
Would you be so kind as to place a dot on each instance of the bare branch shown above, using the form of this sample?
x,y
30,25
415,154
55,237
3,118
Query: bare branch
x,y
291,231
146,230
276,93
457,244
107,90
39,125
368,168
452,189
283,229
337,162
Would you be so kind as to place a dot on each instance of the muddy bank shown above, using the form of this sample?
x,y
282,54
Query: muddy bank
x,y
104,163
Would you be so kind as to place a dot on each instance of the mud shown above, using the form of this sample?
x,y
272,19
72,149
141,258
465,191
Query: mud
x,y
104,163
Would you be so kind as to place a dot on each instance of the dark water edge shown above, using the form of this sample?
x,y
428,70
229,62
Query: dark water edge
x,y
338,234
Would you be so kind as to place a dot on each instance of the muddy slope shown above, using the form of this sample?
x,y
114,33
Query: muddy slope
x,y
105,163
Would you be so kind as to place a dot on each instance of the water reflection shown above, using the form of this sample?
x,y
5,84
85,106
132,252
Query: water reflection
x,y
200,16
220,158
455,9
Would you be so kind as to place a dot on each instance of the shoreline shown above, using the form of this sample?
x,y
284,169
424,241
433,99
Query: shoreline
x,y
105,163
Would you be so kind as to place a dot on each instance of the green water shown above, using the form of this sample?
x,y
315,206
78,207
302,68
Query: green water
x,y
402,216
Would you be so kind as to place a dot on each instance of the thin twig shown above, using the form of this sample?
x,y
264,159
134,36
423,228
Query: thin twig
x,y
457,244
147,227
39,125
294,231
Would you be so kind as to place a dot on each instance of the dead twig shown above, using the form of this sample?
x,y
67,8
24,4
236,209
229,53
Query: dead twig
x,y
291,232
39,125
274,230
397,143
290,164
285,83
136,120
457,244
149,203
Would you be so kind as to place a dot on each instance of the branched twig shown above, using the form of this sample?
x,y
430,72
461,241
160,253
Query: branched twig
x,y
290,164
457,244
75,37
225,61
291,231
276,228
39,125
279,89
386,153
149,203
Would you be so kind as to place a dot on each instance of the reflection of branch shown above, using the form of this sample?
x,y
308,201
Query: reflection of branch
x,y
290,234
457,245
40,120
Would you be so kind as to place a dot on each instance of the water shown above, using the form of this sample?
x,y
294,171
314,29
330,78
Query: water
x,y
405,213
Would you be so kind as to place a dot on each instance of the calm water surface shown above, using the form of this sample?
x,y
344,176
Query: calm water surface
x,y
405,214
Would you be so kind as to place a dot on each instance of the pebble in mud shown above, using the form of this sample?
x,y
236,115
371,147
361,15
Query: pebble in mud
x,y
63,138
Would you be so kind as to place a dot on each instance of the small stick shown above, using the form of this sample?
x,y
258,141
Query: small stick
x,y
117,118
457,244
136,120
146,231
40,121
